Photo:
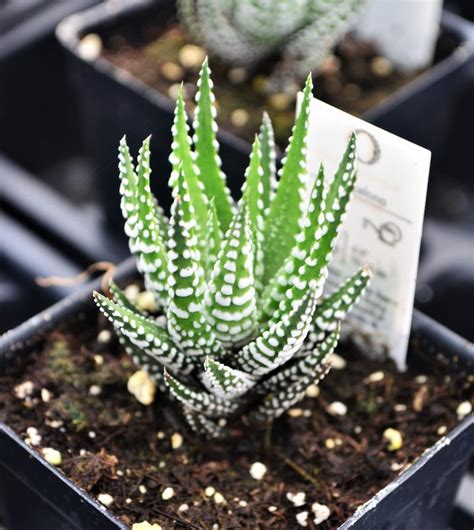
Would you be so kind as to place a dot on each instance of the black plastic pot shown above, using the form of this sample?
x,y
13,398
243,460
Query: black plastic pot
x,y
115,103
43,235
422,497
465,8
38,118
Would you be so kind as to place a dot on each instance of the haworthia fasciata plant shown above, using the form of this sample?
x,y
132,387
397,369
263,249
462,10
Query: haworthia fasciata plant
x,y
245,32
247,328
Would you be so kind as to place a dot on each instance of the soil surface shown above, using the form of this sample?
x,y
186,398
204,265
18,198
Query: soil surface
x,y
355,79
76,398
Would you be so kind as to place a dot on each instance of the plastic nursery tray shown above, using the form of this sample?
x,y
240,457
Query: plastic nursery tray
x,y
37,115
43,235
421,497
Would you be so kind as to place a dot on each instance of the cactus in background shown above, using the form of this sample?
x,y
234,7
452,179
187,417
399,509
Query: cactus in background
x,y
247,329
243,32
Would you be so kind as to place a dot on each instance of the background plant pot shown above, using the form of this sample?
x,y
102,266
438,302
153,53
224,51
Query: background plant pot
x,y
464,8
38,122
422,497
43,234
114,103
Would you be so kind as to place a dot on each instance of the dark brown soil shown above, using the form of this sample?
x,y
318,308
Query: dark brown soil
x,y
110,443
355,79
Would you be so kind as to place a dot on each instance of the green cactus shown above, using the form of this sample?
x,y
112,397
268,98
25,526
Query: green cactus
x,y
248,329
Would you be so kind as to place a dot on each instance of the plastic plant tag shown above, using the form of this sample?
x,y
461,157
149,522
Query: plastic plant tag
x,y
405,31
383,225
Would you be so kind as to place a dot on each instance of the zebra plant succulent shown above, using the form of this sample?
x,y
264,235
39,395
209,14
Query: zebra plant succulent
x,y
246,31
247,329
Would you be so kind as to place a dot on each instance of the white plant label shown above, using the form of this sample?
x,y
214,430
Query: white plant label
x,y
383,225
404,30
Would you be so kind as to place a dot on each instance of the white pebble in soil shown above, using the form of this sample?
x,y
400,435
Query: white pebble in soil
x,y
105,499
168,493
23,390
142,386
45,395
297,499
337,362
98,359
146,301
95,390
321,512
176,440
302,518
394,439
464,409
52,456
219,498
336,408
312,391
375,377
33,437
258,470
104,336
191,56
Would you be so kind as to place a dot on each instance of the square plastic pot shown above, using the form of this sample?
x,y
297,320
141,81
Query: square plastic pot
x,y
115,103
421,497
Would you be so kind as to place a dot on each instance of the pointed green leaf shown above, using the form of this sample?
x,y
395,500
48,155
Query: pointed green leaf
x,y
275,404
252,195
152,259
153,342
335,307
140,226
287,207
310,268
230,299
121,298
128,189
213,240
276,290
268,158
186,321
182,158
275,346
207,159
225,382
199,401
204,426
147,363
337,200
305,370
